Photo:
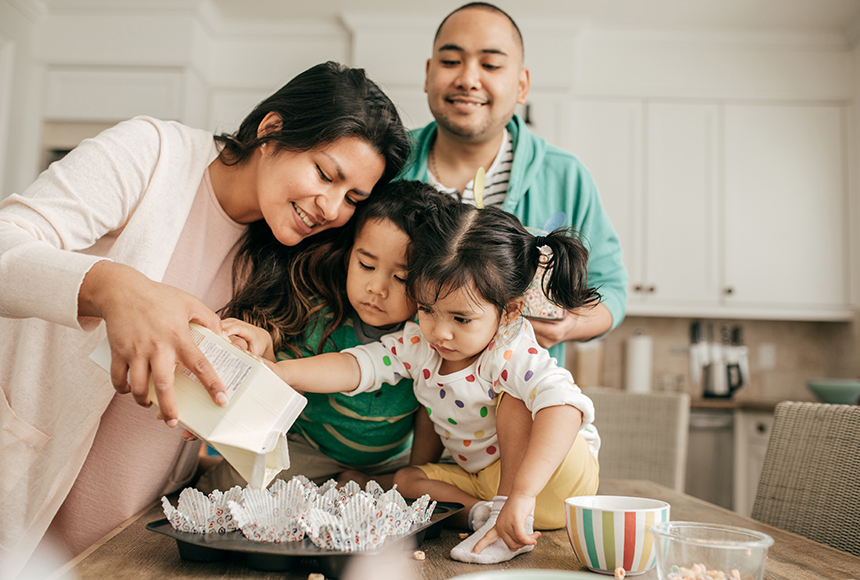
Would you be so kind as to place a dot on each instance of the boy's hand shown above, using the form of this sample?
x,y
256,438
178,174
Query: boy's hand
x,y
282,369
249,337
510,526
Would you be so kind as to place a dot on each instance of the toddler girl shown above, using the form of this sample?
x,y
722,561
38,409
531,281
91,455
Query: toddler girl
x,y
517,426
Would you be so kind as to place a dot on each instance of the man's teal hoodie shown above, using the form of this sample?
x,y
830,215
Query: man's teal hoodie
x,y
551,188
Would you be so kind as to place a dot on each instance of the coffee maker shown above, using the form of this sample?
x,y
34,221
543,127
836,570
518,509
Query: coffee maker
x,y
721,366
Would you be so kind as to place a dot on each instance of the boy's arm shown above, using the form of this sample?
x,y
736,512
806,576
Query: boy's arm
x,y
332,372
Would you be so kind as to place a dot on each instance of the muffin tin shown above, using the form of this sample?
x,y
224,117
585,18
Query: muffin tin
x,y
282,556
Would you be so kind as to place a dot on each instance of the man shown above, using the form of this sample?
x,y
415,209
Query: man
x,y
474,80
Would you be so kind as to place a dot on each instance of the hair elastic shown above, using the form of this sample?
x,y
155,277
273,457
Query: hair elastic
x,y
540,241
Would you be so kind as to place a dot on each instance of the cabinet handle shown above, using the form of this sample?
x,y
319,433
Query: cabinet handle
x,y
637,288
652,289
761,428
728,290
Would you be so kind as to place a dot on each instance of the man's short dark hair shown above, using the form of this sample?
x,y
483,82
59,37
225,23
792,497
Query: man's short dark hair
x,y
490,8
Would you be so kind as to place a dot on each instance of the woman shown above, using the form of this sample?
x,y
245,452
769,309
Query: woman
x,y
139,227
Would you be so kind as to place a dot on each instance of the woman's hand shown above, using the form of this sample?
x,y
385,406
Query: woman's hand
x,y
511,525
249,337
147,327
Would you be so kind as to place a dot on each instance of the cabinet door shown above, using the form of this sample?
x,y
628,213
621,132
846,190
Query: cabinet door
x,y
681,238
752,433
785,207
607,137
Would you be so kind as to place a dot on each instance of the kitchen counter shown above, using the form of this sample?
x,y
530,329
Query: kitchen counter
x,y
732,404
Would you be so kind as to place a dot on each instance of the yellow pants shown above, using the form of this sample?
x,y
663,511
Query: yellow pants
x,y
577,475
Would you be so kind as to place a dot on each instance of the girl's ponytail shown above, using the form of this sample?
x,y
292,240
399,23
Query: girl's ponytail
x,y
490,253
565,277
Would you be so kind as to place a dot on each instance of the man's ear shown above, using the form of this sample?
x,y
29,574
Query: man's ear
x,y
513,309
523,85
271,123
427,73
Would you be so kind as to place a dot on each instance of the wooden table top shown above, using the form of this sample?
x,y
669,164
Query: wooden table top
x,y
134,553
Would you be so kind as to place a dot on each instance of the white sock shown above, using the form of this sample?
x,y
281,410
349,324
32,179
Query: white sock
x,y
479,514
496,552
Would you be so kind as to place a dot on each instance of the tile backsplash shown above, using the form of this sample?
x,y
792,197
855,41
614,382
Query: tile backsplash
x,y
782,355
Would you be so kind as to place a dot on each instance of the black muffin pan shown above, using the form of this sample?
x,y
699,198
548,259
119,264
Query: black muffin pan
x,y
280,556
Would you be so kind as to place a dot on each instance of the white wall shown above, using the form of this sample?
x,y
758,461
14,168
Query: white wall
x,y
19,96
713,65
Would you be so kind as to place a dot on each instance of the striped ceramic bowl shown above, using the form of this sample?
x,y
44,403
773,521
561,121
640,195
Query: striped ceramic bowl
x,y
608,532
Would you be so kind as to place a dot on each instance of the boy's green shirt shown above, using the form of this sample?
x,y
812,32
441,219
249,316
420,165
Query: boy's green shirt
x,y
367,429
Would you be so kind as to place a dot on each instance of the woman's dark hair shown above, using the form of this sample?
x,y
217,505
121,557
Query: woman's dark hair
x,y
319,106
490,253
313,281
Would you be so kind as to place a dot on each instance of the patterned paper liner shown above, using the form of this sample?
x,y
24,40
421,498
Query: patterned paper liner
x,y
347,519
198,513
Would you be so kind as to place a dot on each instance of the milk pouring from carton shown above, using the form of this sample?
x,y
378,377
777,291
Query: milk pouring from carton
x,y
250,431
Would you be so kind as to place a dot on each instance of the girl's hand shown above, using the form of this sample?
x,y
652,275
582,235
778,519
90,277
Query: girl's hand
x,y
249,337
510,526
147,328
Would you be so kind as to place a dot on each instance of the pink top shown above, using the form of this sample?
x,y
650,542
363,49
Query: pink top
x,y
154,459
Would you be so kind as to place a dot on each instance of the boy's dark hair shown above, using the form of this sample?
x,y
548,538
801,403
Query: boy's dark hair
x,y
313,282
489,253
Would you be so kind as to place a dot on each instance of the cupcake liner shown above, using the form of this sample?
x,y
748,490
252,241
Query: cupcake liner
x,y
272,515
198,513
363,520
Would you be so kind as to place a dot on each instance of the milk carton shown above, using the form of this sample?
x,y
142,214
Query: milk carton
x,y
250,431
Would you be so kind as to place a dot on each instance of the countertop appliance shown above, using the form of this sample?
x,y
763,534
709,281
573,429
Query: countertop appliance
x,y
720,365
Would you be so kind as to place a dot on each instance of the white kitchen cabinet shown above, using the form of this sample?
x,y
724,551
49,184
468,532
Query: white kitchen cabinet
x,y
681,237
607,137
785,207
722,209
752,433
656,166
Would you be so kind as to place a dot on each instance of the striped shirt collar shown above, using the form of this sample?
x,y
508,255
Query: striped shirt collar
x,y
496,178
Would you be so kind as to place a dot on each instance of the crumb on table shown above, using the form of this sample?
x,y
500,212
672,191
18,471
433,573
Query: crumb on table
x,y
463,535
316,576
418,555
